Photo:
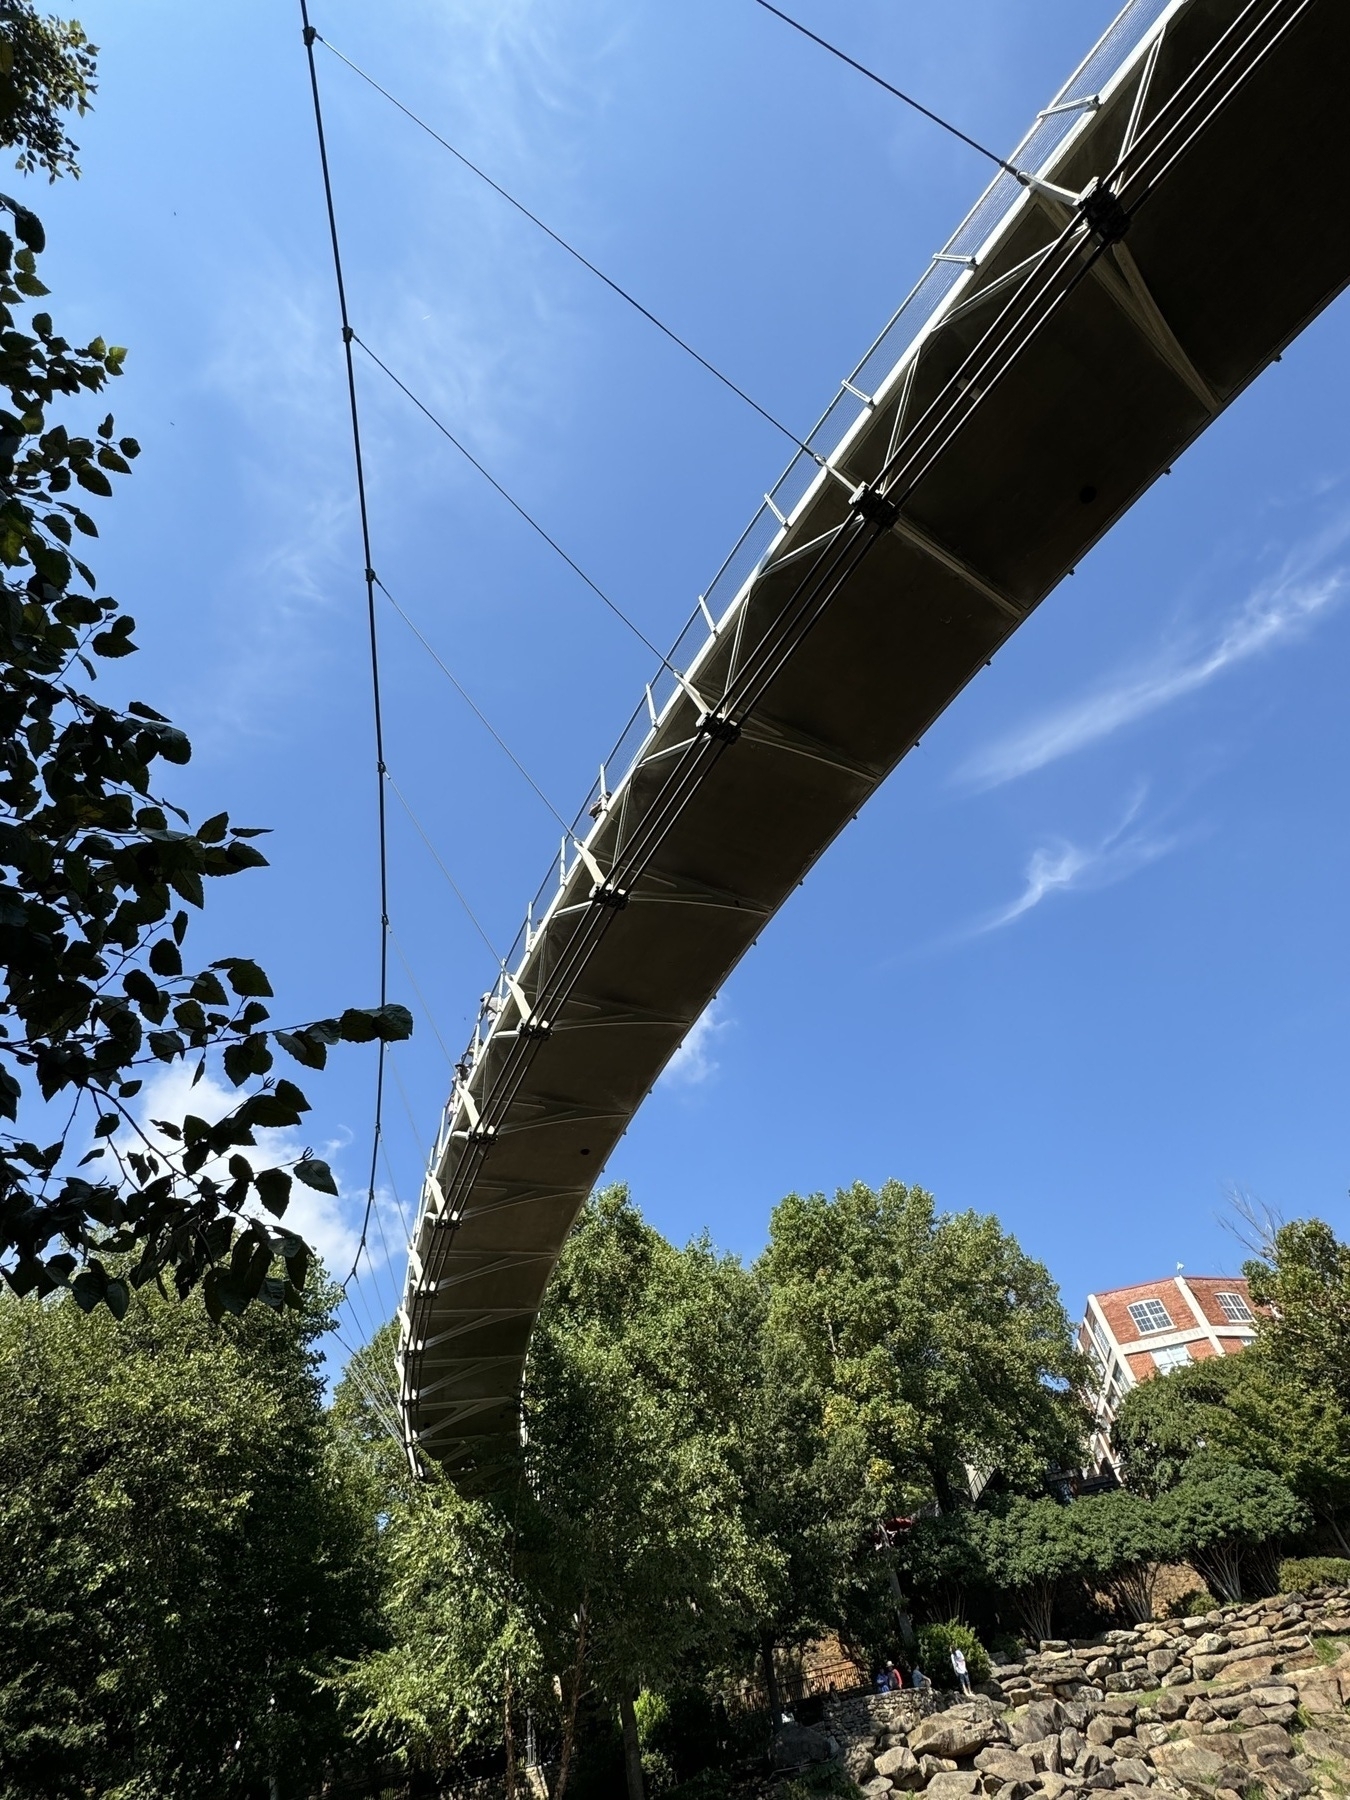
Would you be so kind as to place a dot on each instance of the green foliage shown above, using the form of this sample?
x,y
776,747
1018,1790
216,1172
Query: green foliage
x,y
1251,1410
1126,1540
1298,1574
183,1554
936,1341
631,1399
46,71
93,864
461,1627
1190,1605
934,1653
1030,1549
618,1550
1304,1277
1229,1522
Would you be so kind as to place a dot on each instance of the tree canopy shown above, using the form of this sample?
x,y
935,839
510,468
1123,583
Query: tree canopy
x,y
184,1554
935,1335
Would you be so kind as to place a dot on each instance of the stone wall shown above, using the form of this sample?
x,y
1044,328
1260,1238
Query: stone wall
x,y
1248,1700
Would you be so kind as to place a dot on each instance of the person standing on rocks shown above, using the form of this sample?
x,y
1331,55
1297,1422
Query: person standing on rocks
x,y
962,1673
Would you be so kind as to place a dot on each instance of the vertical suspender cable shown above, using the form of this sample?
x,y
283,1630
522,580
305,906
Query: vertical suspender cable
x,y
347,335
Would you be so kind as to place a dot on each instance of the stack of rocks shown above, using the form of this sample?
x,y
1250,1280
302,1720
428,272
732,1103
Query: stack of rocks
x,y
1246,1698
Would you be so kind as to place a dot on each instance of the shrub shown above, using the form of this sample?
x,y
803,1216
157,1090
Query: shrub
x,y
936,1643
1299,1573
1191,1605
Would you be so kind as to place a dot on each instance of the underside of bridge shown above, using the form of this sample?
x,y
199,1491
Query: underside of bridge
x,y
1189,221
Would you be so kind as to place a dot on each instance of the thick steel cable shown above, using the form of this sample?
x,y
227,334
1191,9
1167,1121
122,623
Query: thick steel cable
x,y
899,93
309,36
512,502
571,250
473,705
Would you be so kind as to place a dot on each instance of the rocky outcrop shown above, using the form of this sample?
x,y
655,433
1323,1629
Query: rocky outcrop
x,y
1249,1702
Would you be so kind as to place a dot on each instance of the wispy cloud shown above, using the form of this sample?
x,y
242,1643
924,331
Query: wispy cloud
x,y
1062,867
694,1061
1280,609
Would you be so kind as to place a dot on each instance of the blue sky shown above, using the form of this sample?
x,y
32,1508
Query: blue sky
x,y
1083,962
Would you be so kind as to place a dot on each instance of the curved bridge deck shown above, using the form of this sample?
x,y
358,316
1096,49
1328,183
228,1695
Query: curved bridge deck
x,y
1061,352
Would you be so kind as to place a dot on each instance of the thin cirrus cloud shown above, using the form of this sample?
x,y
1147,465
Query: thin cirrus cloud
x,y
1281,609
694,1062
1062,867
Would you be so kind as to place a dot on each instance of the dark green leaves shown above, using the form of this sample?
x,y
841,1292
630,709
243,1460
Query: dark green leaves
x,y
315,1174
93,864
244,977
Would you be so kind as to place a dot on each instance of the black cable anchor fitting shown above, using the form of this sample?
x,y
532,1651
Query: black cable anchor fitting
x,y
604,893
717,726
877,508
1103,214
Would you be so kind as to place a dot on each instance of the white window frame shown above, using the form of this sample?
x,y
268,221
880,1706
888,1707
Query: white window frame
x,y
1168,1358
1235,1309
1136,1307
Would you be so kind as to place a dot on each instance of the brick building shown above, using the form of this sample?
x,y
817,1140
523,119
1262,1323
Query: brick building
x,y
1131,1333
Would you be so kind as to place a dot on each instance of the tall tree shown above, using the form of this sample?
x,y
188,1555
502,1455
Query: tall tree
x,y
1254,1410
1303,1277
183,1556
932,1335
616,1553
95,860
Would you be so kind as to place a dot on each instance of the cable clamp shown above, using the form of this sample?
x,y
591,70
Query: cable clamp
x,y
870,504
1103,214
719,727
604,892
310,35
531,1024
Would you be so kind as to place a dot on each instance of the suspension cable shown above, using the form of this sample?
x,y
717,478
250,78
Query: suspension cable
x,y
422,1000
511,501
909,100
310,35
473,706
571,249
454,885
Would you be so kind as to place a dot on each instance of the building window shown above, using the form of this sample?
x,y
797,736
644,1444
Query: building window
x,y
1150,1315
1235,1308
1170,1356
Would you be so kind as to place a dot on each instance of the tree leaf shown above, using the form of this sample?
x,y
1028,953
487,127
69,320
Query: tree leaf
x,y
315,1174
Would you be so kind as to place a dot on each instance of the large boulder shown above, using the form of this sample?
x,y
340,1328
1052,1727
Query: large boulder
x,y
858,1764
1044,1754
929,1766
954,1784
795,1745
1265,1740
1008,1765
1130,1772
946,1734
1187,1762
1281,1780
1029,1724
900,1767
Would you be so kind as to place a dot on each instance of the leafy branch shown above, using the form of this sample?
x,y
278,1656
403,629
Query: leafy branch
x,y
93,866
